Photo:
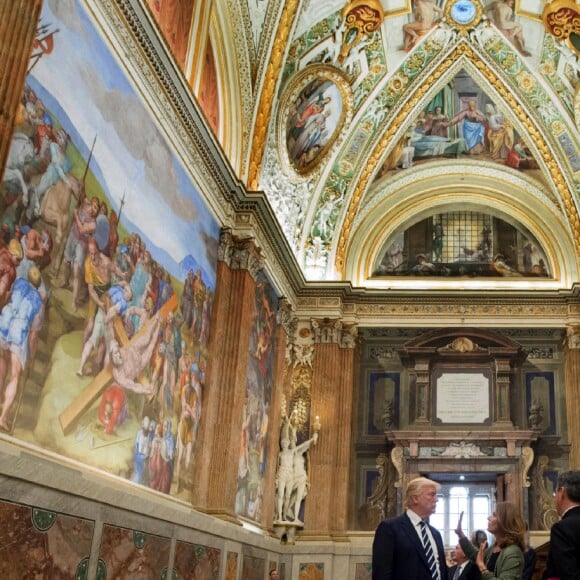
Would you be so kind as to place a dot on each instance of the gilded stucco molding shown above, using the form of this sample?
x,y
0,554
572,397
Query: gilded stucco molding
x,y
268,93
562,19
534,134
245,60
577,106
405,180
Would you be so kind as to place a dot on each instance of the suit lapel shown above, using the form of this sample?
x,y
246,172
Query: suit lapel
x,y
409,529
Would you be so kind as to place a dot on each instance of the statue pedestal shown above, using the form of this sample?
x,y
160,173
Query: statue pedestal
x,y
286,531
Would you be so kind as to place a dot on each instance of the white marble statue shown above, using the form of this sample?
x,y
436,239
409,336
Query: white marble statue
x,y
292,481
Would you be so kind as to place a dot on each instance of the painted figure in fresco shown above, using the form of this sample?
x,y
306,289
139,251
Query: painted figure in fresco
x,y
171,347
129,361
427,145
438,234
312,136
423,266
112,409
501,13
140,284
301,118
20,322
438,121
500,133
189,420
84,224
157,466
113,303
102,229
425,13
472,128
141,451
10,258
167,454
500,267
37,247
57,169
20,154
99,270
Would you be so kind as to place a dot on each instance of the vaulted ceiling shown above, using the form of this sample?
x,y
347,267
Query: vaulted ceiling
x,y
383,131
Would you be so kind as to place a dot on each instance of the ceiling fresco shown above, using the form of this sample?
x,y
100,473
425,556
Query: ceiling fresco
x,y
354,100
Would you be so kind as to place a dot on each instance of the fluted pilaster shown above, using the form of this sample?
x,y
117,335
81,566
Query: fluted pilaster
x,y
327,503
225,396
572,380
17,34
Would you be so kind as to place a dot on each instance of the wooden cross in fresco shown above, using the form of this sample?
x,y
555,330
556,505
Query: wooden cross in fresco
x,y
83,401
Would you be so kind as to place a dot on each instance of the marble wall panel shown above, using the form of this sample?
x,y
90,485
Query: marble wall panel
x,y
231,566
133,555
194,561
253,568
363,571
41,544
311,571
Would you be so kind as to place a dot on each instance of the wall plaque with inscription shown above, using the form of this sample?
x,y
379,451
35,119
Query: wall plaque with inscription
x,y
462,397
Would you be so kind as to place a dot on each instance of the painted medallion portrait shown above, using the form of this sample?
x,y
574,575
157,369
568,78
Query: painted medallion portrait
x,y
316,106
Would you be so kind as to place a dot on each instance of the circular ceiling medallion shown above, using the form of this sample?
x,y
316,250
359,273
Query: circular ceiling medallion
x,y
464,13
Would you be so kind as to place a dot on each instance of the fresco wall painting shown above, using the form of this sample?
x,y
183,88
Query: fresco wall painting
x,y
461,120
253,451
316,106
466,244
111,252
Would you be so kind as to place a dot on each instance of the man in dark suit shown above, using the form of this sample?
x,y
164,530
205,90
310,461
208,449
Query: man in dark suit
x,y
564,553
464,568
407,547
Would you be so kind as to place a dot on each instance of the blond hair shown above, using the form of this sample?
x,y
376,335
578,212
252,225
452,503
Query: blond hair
x,y
416,486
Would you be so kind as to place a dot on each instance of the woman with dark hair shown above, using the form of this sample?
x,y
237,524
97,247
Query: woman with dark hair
x,y
478,537
504,560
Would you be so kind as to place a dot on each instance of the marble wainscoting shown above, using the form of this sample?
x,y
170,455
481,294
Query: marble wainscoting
x,y
59,519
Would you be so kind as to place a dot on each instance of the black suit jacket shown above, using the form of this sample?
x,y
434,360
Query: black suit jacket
x,y
470,572
564,553
398,552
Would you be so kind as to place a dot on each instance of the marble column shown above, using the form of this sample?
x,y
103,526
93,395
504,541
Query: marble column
x,y
17,34
225,392
327,503
572,381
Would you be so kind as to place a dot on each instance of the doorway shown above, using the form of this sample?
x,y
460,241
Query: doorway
x,y
473,494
